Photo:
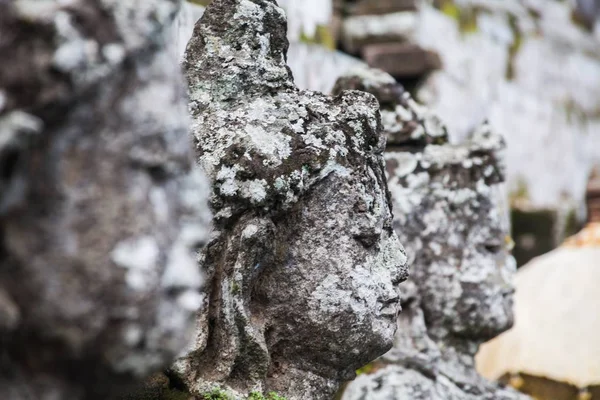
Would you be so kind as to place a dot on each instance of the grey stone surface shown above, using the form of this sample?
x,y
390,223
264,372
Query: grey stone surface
x,y
100,212
446,208
303,267
314,66
405,122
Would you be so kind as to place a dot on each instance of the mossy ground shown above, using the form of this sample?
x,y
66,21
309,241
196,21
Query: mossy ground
x,y
219,394
269,396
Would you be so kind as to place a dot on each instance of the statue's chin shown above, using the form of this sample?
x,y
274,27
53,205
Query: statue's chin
x,y
384,330
486,329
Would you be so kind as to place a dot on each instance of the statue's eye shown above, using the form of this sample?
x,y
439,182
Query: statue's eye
x,y
368,240
493,248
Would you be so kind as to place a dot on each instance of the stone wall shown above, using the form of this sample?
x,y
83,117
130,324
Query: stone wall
x,y
533,73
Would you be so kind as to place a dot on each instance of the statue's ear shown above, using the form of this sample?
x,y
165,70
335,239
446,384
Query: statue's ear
x,y
231,340
255,238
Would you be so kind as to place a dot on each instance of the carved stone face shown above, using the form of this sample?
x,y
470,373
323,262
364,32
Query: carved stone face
x,y
477,270
485,276
333,297
454,226
304,265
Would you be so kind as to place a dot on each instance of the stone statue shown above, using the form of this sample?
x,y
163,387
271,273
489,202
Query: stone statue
x,y
100,214
447,212
303,267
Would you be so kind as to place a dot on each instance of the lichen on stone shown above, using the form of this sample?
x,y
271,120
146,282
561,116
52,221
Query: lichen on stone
x,y
301,211
405,122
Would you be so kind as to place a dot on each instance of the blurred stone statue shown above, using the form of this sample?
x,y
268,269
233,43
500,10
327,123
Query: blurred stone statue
x,y
447,212
100,214
303,266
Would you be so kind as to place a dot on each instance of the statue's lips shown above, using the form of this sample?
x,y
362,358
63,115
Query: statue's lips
x,y
390,308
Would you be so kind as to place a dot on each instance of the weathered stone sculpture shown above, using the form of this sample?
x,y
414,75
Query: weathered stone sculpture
x,y
405,123
99,213
303,266
459,295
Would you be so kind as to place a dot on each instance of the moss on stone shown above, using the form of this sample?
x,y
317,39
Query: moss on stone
x,y
220,394
450,9
515,46
203,3
274,396
269,396
235,288
371,367
367,369
216,394
323,36
466,18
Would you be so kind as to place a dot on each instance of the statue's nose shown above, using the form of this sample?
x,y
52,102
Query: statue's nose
x,y
399,273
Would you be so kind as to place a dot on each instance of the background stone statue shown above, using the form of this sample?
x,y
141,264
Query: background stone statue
x,y
100,214
303,266
447,211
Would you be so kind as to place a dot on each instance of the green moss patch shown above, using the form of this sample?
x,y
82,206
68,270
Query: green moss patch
x,y
323,37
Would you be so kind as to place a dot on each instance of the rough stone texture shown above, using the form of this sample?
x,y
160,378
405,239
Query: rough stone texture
x,y
100,214
314,66
303,266
405,122
446,207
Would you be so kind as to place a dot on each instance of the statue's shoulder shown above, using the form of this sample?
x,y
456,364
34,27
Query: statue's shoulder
x,y
394,382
